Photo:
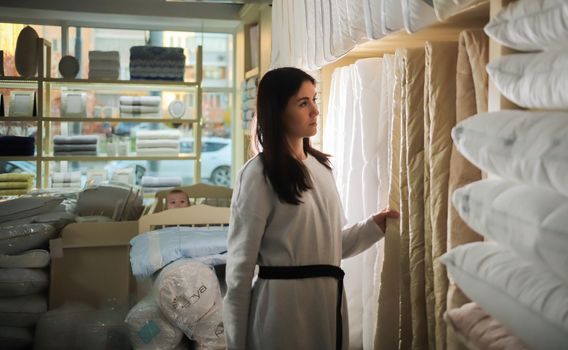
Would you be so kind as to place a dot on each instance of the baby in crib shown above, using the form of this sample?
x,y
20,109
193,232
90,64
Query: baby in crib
x,y
177,198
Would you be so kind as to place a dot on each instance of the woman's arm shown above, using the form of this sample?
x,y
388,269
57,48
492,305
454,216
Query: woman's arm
x,y
362,235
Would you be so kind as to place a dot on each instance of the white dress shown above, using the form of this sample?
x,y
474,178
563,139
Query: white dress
x,y
287,314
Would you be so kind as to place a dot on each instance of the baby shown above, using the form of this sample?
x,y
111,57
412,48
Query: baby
x,y
177,199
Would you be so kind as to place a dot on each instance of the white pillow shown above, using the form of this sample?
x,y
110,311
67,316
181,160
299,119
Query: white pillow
x,y
529,300
149,329
35,258
447,8
531,25
417,14
527,147
530,220
533,80
22,311
16,282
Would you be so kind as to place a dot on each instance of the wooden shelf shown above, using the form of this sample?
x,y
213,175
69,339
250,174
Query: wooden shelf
x,y
252,73
104,158
19,119
22,158
114,84
22,79
119,119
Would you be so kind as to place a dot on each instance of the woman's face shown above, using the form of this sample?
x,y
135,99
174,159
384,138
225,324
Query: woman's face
x,y
300,115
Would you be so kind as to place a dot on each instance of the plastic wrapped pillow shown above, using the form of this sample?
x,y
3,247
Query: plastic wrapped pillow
x,y
16,239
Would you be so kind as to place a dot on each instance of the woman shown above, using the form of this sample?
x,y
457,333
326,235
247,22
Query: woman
x,y
287,219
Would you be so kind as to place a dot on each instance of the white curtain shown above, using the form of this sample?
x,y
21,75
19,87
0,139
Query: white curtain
x,y
356,134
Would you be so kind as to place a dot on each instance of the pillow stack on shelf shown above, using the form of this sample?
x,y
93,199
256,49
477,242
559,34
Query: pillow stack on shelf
x,y
15,184
79,145
26,226
104,65
157,63
140,106
538,79
153,184
69,179
158,142
248,107
521,278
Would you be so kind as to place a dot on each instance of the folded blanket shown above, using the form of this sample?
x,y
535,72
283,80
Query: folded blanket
x,y
75,140
140,115
161,181
15,185
139,109
103,74
157,152
109,65
140,100
66,185
158,134
8,177
104,55
156,52
157,144
155,249
17,146
74,147
251,83
13,192
76,153
66,177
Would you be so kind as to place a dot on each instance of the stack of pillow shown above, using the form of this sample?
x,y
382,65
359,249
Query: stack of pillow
x,y
158,142
248,107
519,276
63,180
153,184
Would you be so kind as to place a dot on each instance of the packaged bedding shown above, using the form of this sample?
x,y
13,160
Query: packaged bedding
x,y
189,296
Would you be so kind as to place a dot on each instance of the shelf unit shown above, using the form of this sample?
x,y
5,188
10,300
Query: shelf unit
x,y
44,85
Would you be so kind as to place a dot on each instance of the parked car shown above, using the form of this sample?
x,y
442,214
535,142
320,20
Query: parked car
x,y
17,166
215,163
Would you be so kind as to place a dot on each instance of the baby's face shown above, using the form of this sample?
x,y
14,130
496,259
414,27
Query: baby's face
x,y
177,200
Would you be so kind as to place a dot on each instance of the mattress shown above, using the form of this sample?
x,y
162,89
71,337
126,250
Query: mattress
x,y
372,11
441,63
189,296
391,16
446,8
151,251
471,98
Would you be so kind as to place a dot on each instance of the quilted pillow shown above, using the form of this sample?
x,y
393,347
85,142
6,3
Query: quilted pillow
x,y
527,147
526,298
479,330
533,80
529,220
531,25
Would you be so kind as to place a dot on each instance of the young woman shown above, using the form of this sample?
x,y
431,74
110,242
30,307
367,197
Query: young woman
x,y
287,219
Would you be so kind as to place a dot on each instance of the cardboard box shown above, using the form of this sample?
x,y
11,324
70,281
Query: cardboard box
x,y
90,263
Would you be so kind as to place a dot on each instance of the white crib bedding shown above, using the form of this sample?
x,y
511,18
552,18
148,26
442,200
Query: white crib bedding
x,y
153,250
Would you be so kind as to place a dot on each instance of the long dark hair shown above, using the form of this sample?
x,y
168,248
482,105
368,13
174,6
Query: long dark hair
x,y
289,176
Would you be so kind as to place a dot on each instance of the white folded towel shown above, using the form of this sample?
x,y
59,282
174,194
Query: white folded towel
x,y
74,176
161,181
173,134
157,144
157,152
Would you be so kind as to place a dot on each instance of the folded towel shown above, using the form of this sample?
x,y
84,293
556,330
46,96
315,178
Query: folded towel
x,y
17,146
157,152
74,147
161,181
248,115
158,134
141,115
104,55
74,176
76,140
16,185
139,109
12,192
140,100
157,144
156,52
9,177
66,185
104,74
109,65
251,83
76,153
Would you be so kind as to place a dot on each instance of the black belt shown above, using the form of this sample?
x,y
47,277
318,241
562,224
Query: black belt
x,y
311,271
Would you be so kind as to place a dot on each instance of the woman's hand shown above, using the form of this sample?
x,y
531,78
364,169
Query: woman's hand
x,y
381,218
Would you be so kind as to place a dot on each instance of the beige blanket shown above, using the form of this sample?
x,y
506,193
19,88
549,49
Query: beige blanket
x,y
440,110
471,90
